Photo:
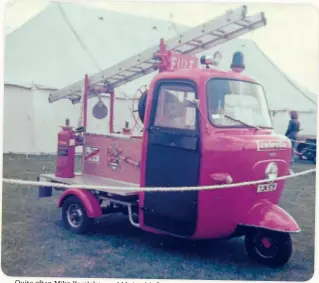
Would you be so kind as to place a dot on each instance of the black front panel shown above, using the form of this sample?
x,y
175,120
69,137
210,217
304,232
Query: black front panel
x,y
173,160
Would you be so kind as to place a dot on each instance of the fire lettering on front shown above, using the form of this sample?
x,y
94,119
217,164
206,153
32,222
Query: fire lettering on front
x,y
178,62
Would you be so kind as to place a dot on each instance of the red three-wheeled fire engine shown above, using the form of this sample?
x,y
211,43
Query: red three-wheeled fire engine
x,y
201,127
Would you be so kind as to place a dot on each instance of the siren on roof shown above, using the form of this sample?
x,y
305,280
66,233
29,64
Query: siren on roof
x,y
217,58
208,60
237,64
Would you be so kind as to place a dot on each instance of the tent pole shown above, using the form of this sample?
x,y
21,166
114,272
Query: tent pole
x,y
111,125
85,106
86,90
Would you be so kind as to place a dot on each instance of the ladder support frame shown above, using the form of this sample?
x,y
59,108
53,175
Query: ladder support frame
x,y
144,63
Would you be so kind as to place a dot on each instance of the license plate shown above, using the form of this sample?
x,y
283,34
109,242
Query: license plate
x,y
265,188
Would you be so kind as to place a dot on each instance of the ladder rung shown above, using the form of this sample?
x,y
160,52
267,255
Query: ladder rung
x,y
197,41
216,34
114,78
137,69
221,31
193,44
246,21
229,36
149,62
242,25
223,28
129,70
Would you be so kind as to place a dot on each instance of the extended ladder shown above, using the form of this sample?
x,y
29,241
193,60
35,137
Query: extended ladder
x,y
232,24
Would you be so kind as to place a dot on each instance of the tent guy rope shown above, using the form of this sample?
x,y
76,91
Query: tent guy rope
x,y
154,189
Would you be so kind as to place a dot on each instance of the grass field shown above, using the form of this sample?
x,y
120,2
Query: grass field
x,y
34,242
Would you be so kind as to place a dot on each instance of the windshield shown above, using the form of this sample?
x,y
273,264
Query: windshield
x,y
234,103
175,107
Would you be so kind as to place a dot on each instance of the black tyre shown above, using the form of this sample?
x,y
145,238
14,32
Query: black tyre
x,y
75,217
268,247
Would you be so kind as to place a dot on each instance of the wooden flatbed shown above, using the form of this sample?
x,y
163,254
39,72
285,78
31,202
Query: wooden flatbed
x,y
85,179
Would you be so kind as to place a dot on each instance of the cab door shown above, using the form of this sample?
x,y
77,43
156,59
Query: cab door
x,y
173,158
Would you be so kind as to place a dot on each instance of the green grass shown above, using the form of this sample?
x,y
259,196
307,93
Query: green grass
x,y
35,243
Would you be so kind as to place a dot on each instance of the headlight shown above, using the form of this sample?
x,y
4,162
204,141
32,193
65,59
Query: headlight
x,y
271,172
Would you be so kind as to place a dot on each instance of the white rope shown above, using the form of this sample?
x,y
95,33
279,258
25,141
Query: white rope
x,y
153,189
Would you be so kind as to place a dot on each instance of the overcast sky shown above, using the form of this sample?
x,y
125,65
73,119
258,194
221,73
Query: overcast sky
x,y
290,38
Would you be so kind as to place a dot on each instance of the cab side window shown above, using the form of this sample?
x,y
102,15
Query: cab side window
x,y
176,107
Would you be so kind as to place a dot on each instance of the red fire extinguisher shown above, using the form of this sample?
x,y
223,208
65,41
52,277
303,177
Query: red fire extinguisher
x,y
66,152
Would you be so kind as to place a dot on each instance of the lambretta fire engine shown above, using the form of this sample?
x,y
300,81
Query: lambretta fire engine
x,y
201,127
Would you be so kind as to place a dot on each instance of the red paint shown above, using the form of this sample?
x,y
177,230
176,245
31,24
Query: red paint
x,y
268,215
173,61
65,160
125,147
221,178
266,243
87,157
178,61
89,201
225,151
238,70
126,131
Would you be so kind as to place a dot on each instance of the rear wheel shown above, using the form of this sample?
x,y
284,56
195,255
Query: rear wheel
x,y
75,217
268,247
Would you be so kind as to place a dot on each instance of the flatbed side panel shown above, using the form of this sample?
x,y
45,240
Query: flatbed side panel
x,y
112,157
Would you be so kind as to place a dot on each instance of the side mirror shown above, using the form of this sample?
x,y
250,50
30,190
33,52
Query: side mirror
x,y
99,110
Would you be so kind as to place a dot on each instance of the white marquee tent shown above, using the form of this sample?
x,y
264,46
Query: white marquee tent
x,y
283,94
65,41
56,48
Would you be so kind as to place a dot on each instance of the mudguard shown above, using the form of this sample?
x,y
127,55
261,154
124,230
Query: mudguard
x,y
270,216
90,202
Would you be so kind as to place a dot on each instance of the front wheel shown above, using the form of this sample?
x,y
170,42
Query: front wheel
x,y
268,247
75,217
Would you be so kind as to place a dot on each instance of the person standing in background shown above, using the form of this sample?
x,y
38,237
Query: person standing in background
x,y
292,131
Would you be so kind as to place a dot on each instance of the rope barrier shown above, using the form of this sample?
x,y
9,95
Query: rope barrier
x,y
153,189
